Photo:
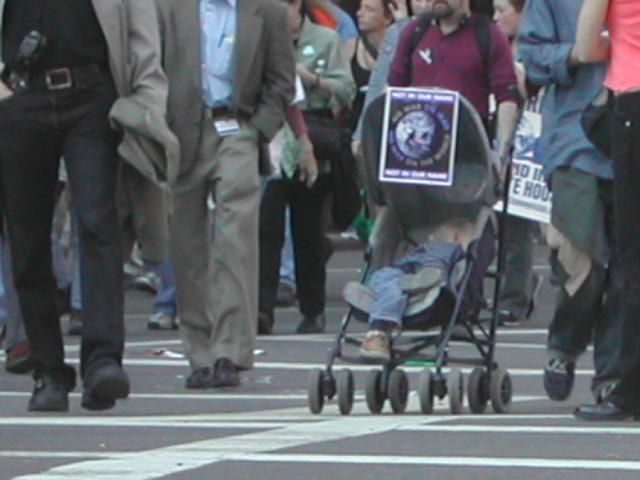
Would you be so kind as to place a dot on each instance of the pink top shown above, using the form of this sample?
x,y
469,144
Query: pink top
x,y
624,28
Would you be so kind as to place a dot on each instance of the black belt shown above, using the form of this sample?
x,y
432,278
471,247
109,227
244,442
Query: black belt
x,y
64,78
221,111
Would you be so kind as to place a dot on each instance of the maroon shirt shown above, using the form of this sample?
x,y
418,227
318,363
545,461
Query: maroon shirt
x,y
456,64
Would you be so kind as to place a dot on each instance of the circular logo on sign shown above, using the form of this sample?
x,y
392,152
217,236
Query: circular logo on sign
x,y
415,132
419,135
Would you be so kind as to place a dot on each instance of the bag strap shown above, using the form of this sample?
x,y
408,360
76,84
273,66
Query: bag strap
x,y
423,23
482,29
371,50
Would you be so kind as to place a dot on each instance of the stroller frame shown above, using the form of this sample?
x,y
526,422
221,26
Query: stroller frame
x,y
487,381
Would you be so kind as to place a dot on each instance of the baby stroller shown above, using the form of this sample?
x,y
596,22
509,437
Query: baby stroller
x,y
442,309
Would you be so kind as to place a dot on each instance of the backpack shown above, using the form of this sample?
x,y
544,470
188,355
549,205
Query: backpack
x,y
481,25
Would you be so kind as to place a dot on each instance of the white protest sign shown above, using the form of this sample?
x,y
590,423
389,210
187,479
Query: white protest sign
x,y
529,196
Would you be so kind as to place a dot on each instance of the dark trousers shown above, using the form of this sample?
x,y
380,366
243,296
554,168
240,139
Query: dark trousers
x,y
516,288
309,242
626,154
37,128
592,313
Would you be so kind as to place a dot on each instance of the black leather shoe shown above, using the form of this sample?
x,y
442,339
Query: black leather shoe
x,y
604,411
225,373
104,383
311,324
265,323
49,395
200,378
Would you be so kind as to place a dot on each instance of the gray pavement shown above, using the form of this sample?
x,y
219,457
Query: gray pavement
x,y
263,430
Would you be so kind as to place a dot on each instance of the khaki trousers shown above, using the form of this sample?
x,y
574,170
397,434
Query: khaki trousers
x,y
217,282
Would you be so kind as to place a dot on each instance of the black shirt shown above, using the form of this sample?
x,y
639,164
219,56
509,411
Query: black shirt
x,y
70,26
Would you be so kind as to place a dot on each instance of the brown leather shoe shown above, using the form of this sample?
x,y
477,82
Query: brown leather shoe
x,y
376,346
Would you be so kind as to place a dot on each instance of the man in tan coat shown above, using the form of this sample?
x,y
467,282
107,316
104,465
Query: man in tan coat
x,y
98,68
231,77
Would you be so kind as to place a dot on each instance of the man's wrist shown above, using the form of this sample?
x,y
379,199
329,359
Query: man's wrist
x,y
574,59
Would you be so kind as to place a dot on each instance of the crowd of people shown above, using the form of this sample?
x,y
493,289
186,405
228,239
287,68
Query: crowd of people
x,y
208,137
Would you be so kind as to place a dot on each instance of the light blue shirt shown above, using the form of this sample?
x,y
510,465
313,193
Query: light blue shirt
x,y
546,36
218,37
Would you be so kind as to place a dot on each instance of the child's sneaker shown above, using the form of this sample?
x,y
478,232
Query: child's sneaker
x,y
376,346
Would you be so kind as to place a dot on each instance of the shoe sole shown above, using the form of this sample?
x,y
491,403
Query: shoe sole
x,y
374,357
61,408
226,383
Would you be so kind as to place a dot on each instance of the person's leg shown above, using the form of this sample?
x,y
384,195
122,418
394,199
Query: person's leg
x,y
14,325
235,266
29,158
18,358
607,335
92,164
287,280
272,218
165,301
626,144
164,304
190,255
389,306
517,286
310,251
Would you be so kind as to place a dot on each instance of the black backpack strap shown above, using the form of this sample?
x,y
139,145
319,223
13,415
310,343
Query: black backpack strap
x,y
482,27
423,23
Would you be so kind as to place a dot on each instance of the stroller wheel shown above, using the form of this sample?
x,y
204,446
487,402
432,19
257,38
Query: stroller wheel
x,y
455,389
374,391
398,390
315,390
425,391
345,391
500,390
477,390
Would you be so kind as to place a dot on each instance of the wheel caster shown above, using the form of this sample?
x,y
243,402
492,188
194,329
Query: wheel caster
x,y
425,391
500,390
374,391
455,389
477,390
345,391
315,390
398,390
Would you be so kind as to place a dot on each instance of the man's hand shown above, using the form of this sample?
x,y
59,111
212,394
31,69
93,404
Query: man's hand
x,y
306,76
308,165
399,9
5,92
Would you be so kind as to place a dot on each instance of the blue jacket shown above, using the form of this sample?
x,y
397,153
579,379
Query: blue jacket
x,y
547,34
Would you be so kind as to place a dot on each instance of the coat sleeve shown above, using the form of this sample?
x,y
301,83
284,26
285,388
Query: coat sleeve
x,y
148,82
278,77
544,54
342,86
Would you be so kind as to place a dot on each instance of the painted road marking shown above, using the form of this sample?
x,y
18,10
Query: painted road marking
x,y
259,447
522,429
487,462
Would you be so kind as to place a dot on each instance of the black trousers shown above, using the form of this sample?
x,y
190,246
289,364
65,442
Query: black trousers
x,y
626,155
309,242
37,128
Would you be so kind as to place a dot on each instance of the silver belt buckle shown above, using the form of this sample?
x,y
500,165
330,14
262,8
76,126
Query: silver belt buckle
x,y
58,79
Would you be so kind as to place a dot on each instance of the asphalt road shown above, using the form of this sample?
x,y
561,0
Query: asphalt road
x,y
263,430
